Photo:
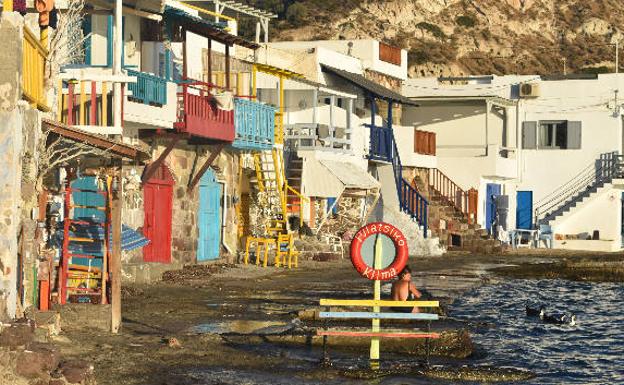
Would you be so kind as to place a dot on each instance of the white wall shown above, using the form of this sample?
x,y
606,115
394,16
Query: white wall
x,y
366,51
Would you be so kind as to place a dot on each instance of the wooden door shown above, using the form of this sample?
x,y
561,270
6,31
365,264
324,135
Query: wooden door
x,y
158,203
209,218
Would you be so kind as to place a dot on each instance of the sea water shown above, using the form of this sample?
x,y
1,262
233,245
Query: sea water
x,y
592,352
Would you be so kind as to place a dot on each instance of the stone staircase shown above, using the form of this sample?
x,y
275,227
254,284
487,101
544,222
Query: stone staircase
x,y
455,233
452,226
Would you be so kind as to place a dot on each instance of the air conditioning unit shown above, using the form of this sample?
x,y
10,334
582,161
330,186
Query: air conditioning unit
x,y
529,90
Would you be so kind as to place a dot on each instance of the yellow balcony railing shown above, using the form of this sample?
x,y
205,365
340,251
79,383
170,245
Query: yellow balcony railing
x,y
34,56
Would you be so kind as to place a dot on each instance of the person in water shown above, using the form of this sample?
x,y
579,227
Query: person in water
x,y
404,290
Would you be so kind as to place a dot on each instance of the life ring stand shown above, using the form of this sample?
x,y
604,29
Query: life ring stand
x,y
400,245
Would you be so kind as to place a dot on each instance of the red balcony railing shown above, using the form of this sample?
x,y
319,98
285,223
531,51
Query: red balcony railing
x,y
464,201
200,115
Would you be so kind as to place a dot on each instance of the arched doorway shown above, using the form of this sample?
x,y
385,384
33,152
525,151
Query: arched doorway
x,y
209,218
157,205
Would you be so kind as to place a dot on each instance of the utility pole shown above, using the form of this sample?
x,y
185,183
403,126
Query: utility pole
x,y
617,56
565,67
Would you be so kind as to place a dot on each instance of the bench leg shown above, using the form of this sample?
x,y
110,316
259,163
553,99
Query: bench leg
x,y
247,251
266,254
258,249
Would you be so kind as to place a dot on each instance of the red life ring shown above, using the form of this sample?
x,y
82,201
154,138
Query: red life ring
x,y
400,244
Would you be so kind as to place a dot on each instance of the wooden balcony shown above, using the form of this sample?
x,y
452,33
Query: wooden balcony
x,y
149,89
34,56
199,114
254,123
87,100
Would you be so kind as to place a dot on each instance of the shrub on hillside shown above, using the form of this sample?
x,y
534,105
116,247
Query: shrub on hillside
x,y
296,14
432,28
466,21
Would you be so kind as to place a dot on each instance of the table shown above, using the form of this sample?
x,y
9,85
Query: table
x,y
517,235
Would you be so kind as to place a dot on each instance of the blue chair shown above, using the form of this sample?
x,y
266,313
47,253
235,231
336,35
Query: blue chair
x,y
545,234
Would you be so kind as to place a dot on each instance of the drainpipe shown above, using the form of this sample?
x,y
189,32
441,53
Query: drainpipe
x,y
224,217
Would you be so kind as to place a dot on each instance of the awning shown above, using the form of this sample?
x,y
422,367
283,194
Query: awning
x,y
101,142
368,85
330,178
206,28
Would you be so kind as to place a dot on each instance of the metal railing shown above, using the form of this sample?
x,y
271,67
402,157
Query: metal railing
x,y
315,136
149,89
34,57
383,147
254,123
609,166
381,140
464,201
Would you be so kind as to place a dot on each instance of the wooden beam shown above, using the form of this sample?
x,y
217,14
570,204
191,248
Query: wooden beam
x,y
376,334
95,140
372,315
209,80
227,67
115,267
381,303
151,168
203,169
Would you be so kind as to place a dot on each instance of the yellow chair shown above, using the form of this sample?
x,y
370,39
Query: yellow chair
x,y
259,242
286,247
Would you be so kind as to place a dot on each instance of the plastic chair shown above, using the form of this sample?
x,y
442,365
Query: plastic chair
x,y
545,234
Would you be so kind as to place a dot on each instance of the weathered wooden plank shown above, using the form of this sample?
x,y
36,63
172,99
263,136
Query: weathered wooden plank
x,y
372,315
381,303
347,333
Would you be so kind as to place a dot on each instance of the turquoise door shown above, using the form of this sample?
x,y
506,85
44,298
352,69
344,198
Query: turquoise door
x,y
209,218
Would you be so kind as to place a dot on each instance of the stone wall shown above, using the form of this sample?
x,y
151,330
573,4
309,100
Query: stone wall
x,y
183,162
10,156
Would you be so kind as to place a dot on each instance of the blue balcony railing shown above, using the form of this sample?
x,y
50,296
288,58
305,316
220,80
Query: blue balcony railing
x,y
255,125
380,143
148,89
383,147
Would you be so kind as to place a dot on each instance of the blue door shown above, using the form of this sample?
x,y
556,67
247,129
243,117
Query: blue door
x,y
492,191
524,210
209,218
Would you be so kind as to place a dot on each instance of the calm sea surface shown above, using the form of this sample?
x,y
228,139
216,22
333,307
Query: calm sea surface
x,y
592,352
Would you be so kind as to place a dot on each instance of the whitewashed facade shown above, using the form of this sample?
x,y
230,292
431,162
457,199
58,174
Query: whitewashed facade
x,y
535,137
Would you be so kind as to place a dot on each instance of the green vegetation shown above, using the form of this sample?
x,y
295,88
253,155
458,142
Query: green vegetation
x,y
596,70
432,28
466,21
296,14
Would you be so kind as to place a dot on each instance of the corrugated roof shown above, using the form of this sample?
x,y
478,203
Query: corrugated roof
x,y
329,178
351,176
206,28
369,85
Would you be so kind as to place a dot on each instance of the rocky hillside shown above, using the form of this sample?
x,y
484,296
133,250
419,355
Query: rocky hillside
x,y
461,37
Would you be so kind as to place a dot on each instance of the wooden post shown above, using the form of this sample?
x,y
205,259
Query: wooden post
x,y
117,62
374,349
115,267
209,59
227,67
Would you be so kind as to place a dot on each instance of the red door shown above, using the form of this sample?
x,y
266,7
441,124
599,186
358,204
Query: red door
x,y
157,204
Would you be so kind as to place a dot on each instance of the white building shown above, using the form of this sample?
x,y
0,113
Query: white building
x,y
329,118
544,142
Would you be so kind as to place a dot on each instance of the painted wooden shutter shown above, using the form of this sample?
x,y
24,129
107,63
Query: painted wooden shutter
x,y
574,135
529,135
